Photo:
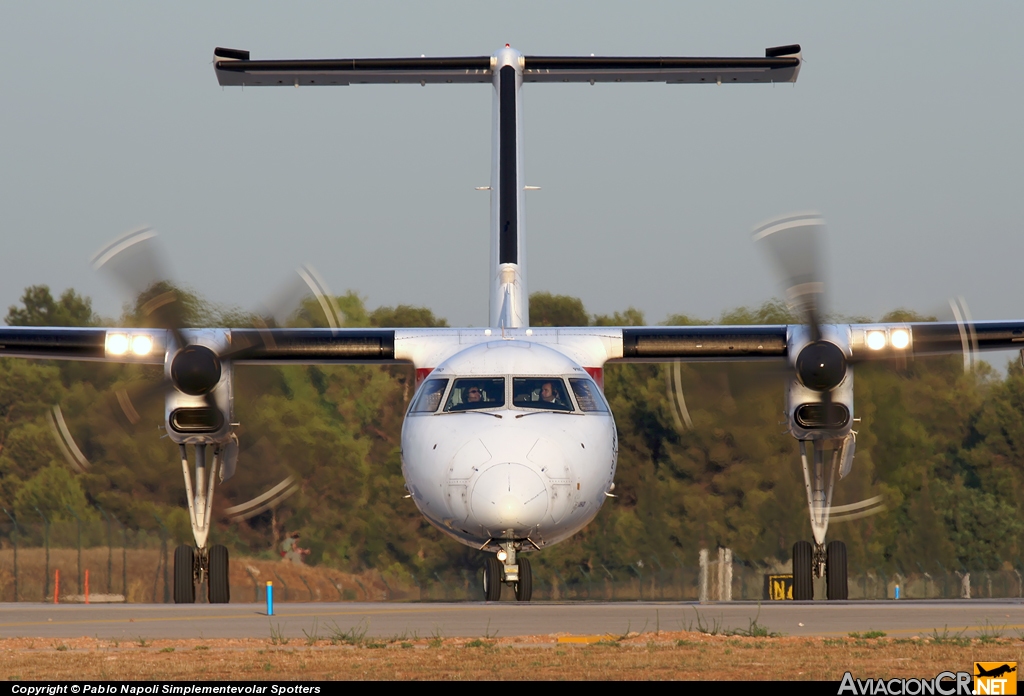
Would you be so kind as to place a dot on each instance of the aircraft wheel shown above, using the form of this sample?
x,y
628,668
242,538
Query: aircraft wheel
x,y
217,585
184,575
803,580
524,586
835,571
492,579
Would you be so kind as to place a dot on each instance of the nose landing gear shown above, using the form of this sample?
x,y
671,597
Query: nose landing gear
x,y
817,561
195,565
504,568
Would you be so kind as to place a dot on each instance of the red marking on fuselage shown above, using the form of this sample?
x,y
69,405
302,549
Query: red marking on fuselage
x,y
421,374
598,374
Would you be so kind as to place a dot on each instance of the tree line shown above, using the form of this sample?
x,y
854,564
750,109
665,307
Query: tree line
x,y
943,448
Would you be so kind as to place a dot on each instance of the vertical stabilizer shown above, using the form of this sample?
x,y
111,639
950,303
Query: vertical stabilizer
x,y
509,301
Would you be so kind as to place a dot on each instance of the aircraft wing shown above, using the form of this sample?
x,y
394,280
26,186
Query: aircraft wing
x,y
235,67
716,343
427,347
254,346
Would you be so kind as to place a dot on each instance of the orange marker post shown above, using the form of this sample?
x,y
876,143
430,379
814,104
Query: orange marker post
x,y
56,585
86,585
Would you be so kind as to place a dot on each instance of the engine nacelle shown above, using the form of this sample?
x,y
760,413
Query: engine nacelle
x,y
199,377
821,368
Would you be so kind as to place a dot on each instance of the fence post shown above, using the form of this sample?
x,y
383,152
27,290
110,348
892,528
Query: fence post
x,y
46,543
78,523
110,551
965,584
14,543
124,559
725,574
703,596
163,555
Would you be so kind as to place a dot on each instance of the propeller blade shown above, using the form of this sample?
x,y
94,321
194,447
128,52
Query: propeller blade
x,y
134,261
793,243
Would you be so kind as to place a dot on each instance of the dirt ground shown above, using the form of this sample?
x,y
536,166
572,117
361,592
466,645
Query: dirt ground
x,y
648,656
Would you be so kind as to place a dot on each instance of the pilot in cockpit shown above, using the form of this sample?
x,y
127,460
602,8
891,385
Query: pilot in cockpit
x,y
473,395
549,393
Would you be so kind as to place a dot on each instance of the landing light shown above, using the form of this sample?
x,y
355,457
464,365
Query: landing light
x,y
142,345
117,344
876,340
502,555
900,338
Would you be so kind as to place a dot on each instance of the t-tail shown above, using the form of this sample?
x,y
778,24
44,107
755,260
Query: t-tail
x,y
506,71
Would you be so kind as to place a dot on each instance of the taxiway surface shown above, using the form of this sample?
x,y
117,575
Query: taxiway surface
x,y
479,619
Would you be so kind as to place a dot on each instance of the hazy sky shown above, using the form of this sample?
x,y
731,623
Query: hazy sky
x,y
904,130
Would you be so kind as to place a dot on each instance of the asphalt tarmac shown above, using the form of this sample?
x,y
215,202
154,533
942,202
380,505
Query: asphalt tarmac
x,y
897,618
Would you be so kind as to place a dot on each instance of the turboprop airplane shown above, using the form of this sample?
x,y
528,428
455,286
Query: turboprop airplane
x,y
508,444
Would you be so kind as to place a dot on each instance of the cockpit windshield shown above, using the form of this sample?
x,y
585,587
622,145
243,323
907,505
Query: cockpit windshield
x,y
588,396
476,393
430,396
547,393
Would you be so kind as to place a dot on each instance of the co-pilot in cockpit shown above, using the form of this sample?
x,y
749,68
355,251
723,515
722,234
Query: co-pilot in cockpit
x,y
540,392
547,393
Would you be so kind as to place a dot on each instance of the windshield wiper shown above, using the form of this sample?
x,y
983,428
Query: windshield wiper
x,y
482,413
534,413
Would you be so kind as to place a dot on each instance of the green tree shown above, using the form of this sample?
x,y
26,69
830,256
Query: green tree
x,y
40,309
557,310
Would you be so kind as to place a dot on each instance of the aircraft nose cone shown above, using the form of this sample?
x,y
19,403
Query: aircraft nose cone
x,y
509,496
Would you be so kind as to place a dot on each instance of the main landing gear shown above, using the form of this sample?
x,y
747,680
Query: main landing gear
x,y
817,560
195,565
504,568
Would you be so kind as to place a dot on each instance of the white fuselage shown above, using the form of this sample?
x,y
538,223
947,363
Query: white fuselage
x,y
514,471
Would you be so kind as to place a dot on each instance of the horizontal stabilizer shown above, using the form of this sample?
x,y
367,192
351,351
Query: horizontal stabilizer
x,y
234,67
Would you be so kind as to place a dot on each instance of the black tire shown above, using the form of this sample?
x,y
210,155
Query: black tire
x,y
803,579
184,577
492,579
524,586
217,586
836,579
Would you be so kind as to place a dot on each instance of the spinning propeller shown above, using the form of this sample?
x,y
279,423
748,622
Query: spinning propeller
x,y
820,363
196,362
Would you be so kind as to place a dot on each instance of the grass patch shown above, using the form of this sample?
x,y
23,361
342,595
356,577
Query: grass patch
x,y
708,629
277,636
166,650
867,634
313,635
947,638
754,630
356,635
477,643
991,634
